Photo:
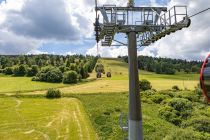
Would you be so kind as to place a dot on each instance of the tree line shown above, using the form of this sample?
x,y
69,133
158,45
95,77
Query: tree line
x,y
49,68
166,65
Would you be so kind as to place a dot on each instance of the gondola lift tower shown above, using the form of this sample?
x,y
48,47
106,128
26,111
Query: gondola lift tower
x,y
143,25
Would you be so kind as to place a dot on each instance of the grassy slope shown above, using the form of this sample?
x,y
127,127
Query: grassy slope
x,y
28,118
105,109
159,81
118,82
21,84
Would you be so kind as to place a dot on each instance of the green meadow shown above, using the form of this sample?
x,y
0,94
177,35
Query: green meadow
x,y
91,110
38,118
117,83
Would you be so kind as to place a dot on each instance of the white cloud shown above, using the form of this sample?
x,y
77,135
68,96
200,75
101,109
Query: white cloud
x,y
45,21
26,24
70,53
113,51
190,43
36,52
11,43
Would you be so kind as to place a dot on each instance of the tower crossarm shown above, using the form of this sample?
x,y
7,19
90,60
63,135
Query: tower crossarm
x,y
151,23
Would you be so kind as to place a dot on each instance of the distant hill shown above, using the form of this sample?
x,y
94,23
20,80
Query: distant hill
x,y
166,65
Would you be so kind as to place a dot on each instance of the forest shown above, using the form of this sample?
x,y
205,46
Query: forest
x,y
166,65
48,68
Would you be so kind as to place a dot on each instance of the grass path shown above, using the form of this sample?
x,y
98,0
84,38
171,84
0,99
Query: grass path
x,y
43,119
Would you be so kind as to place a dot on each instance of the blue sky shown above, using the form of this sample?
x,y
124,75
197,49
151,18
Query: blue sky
x,y
83,45
37,26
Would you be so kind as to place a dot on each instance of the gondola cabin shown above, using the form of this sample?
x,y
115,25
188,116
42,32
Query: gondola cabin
x,y
205,78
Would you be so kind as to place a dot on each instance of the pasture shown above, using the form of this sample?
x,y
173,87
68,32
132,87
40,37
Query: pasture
x,y
117,83
36,118
89,110
10,84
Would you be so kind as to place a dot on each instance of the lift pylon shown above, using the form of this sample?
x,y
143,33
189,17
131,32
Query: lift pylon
x,y
148,24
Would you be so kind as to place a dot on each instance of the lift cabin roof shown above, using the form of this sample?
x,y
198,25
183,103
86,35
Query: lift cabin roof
x,y
205,78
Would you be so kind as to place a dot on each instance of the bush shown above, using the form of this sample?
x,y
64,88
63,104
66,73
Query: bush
x,y
170,115
201,124
70,77
54,76
49,74
180,104
176,88
148,93
41,76
144,85
32,71
62,69
2,70
191,96
79,77
53,93
183,134
183,106
176,110
19,70
158,98
8,71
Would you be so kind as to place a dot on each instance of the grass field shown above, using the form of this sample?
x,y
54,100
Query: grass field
x,y
119,71
118,82
23,84
28,118
103,99
105,110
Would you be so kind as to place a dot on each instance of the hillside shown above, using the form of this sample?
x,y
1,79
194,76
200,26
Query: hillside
x,y
117,83
98,103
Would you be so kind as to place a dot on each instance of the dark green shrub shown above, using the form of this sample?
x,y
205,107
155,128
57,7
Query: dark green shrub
x,y
144,85
100,120
191,96
148,93
106,129
180,104
19,70
79,77
183,134
54,76
167,92
70,77
49,74
32,71
175,88
201,124
170,115
8,70
73,67
1,70
62,69
183,107
158,98
175,110
53,93
42,75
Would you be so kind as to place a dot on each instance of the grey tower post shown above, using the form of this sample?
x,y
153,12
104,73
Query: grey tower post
x,y
148,24
135,115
